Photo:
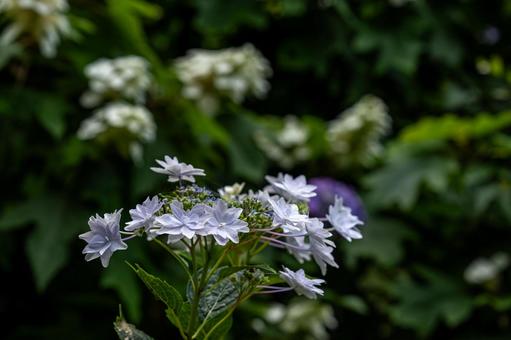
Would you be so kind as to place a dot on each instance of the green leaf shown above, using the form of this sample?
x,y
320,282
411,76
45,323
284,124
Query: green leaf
x,y
451,127
127,15
56,225
383,242
399,182
51,111
219,16
421,307
217,297
218,327
246,159
121,278
127,331
177,310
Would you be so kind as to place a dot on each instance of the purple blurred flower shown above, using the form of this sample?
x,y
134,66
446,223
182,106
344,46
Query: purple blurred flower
x,y
327,189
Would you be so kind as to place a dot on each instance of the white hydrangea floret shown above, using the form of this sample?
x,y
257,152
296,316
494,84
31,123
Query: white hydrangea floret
x,y
343,221
301,284
294,189
286,215
177,171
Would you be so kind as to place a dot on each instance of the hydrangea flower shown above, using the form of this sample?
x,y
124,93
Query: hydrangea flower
x,y
287,144
301,284
44,20
286,215
144,214
136,120
343,221
224,223
297,247
327,189
321,247
124,77
181,223
483,269
233,73
294,189
177,171
104,237
354,136
229,192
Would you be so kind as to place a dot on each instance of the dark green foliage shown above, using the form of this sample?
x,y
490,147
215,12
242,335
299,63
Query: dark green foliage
x,y
439,197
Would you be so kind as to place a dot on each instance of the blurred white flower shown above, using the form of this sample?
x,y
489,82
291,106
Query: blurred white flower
x,y
134,123
44,20
310,317
354,136
229,192
234,73
483,269
287,146
120,78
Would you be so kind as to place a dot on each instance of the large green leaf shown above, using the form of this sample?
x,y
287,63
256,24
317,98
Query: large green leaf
x,y
383,242
421,307
128,15
399,182
177,310
56,224
451,127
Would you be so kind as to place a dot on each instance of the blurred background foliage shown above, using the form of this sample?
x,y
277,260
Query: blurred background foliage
x,y
437,190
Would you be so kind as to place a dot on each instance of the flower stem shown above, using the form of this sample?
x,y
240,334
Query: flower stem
x,y
176,256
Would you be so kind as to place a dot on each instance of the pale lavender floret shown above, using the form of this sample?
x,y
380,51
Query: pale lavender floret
x,y
224,224
301,284
104,237
286,215
297,247
343,221
144,214
294,189
177,171
181,223
321,247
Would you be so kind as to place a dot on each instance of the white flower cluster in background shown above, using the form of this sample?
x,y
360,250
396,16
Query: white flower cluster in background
x,y
234,73
308,318
288,145
122,83
135,119
483,269
44,21
124,77
354,136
